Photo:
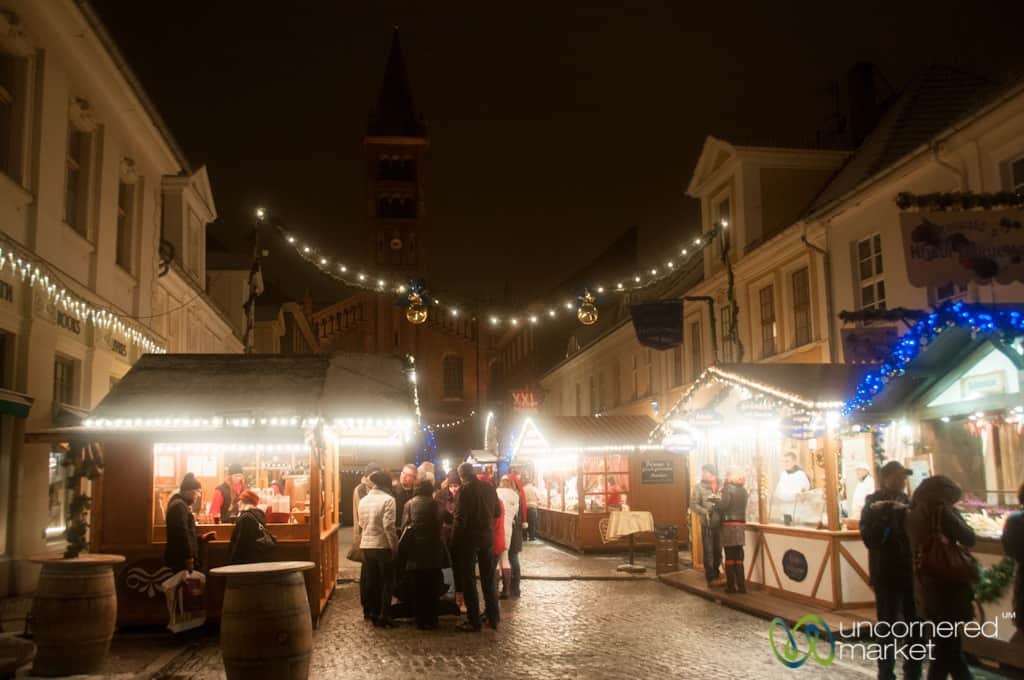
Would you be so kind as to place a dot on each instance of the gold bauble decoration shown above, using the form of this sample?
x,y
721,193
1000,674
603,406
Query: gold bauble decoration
x,y
587,312
416,312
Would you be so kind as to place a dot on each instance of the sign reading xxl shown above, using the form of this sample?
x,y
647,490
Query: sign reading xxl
x,y
958,246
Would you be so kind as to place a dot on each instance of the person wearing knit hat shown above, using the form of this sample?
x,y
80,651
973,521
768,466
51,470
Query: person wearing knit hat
x,y
224,504
181,551
251,541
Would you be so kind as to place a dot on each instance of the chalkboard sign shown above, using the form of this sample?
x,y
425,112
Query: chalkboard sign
x,y
794,565
657,472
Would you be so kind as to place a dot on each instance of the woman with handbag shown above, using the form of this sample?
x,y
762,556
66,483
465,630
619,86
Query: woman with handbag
x,y
422,553
944,571
251,541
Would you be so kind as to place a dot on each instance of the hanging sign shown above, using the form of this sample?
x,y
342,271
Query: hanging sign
x,y
758,408
658,325
869,345
678,442
959,246
657,471
704,417
524,400
803,426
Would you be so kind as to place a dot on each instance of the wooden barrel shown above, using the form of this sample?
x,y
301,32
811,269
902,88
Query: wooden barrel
x,y
266,630
74,612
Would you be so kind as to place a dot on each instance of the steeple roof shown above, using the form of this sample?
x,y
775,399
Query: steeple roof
x,y
395,115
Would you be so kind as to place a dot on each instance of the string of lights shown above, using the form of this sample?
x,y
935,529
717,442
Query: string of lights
x,y
418,302
979,319
433,427
37,275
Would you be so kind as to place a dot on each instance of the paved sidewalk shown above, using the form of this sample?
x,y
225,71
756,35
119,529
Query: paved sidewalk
x,y
540,560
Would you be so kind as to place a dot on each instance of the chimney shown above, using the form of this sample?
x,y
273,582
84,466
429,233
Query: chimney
x,y
862,98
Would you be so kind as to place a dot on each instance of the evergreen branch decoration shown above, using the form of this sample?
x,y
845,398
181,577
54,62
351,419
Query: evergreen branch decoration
x,y
993,581
965,200
84,461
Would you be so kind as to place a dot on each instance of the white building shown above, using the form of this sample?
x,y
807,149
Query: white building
x,y
91,182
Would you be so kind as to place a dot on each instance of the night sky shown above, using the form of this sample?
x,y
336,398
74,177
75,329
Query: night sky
x,y
554,125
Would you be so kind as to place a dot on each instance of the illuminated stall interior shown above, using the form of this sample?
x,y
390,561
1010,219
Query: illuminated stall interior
x,y
948,401
779,425
277,425
586,466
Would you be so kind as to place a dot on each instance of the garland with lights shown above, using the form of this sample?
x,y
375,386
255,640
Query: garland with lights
x,y
36,274
412,294
979,319
450,424
966,200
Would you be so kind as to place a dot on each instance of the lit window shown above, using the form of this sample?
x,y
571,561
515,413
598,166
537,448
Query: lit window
x,y
453,377
696,356
1017,175
76,179
801,307
63,381
870,273
12,106
768,329
728,344
125,224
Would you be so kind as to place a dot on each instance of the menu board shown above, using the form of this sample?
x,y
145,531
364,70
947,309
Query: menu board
x,y
657,472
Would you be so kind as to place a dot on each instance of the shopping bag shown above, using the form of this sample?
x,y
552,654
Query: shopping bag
x,y
185,593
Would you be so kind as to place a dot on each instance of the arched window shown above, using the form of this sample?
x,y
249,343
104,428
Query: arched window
x,y
452,369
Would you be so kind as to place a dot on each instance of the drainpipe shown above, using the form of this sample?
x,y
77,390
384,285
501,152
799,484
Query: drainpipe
x,y
829,298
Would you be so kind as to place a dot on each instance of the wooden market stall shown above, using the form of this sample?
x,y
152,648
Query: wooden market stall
x,y
274,424
587,467
801,541
949,401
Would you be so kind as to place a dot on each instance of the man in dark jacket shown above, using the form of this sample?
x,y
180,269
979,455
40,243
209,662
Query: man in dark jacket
x,y
890,562
705,496
405,489
422,555
182,549
476,510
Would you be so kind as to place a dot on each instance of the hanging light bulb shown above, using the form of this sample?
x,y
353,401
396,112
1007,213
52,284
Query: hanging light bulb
x,y
416,312
587,311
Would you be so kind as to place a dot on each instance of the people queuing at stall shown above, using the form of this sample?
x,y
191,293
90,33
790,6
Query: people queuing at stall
x,y
732,512
703,501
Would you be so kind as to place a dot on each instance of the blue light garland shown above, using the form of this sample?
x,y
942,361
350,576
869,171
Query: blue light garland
x,y
980,319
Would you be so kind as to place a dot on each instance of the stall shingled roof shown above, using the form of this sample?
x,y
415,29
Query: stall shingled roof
x,y
201,385
205,384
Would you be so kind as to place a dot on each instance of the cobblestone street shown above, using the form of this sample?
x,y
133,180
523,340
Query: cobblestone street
x,y
559,629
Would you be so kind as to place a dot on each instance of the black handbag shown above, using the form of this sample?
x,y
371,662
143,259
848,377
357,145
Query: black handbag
x,y
944,560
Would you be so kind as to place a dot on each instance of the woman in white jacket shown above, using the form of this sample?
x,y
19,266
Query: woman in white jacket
x,y
509,497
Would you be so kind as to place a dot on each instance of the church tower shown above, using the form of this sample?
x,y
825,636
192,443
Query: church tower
x,y
396,145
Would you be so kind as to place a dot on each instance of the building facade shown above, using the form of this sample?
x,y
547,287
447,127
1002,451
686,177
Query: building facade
x,y
102,226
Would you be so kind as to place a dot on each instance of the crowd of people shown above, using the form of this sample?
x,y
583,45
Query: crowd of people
x,y
419,539
919,562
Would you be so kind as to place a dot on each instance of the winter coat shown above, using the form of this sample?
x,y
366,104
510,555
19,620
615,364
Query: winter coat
x,y
402,496
939,600
733,511
421,546
883,530
510,499
251,541
1013,545
498,546
181,535
700,500
476,508
446,499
